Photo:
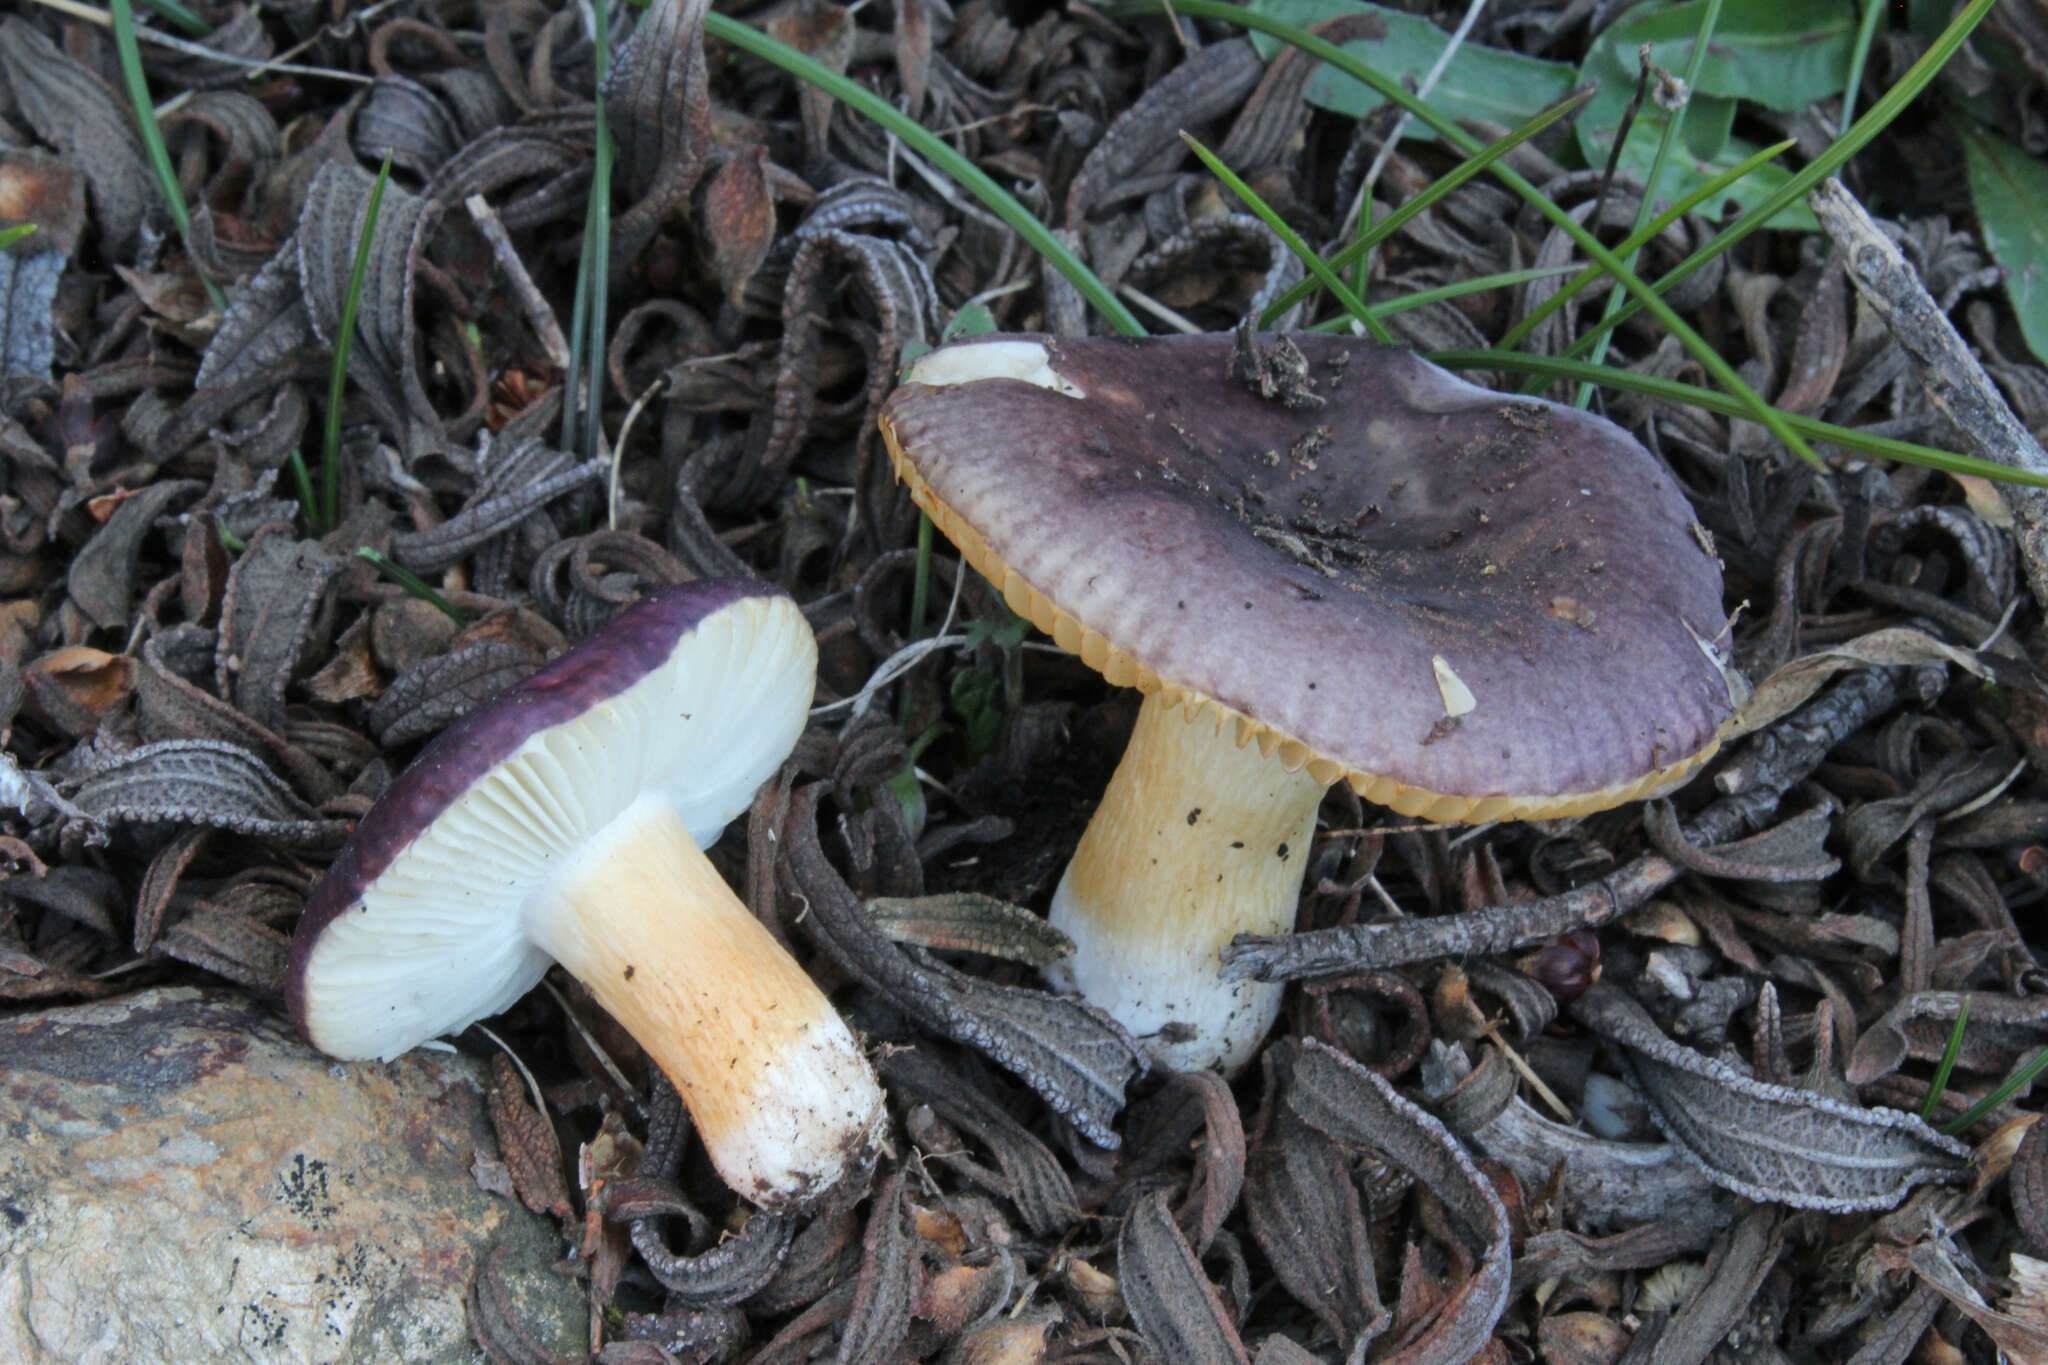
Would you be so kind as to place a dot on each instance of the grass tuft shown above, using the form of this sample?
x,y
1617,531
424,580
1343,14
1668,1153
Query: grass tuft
x,y
326,512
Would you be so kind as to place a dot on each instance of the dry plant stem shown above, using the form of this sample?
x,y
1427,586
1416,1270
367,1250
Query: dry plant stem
x,y
1196,839
539,314
1949,372
1796,747
775,1083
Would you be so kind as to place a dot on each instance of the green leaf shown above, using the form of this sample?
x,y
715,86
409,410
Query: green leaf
x,y
973,320
1480,82
1685,170
2010,190
1782,54
20,232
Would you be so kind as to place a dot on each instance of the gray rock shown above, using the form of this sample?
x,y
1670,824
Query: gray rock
x,y
183,1180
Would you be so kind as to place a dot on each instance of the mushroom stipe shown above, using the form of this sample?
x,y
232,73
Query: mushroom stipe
x,y
565,822
1386,576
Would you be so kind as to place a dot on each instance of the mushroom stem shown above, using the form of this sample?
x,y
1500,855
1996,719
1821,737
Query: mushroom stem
x,y
775,1083
1197,839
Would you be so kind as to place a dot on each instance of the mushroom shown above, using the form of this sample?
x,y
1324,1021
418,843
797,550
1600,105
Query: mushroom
x,y
566,821
1336,562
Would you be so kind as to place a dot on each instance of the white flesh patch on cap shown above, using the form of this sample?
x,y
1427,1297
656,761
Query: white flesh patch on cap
x,y
437,942
1458,698
973,361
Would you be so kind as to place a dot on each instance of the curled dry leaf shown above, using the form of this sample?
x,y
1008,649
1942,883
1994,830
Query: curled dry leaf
x,y
28,289
1355,1107
1033,1178
657,104
1770,1142
1074,1056
969,921
1170,1299
526,1138
1305,1214
203,782
276,595
381,359
72,108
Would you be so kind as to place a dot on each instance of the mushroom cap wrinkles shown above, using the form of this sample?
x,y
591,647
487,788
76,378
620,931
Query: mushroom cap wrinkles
x,y
696,692
1470,604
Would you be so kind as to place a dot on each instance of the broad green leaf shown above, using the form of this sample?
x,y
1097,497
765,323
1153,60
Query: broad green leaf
x,y
1685,171
1783,54
1480,82
2010,190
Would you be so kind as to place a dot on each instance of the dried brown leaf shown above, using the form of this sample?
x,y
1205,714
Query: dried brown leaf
x,y
276,594
528,1143
203,782
1170,1299
657,102
1352,1105
102,576
739,220
47,191
888,1285
71,108
1074,1056
1771,1142
1032,1176
971,922
381,358
1305,1214
437,692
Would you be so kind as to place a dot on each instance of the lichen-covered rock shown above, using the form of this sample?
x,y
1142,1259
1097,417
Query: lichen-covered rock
x,y
182,1180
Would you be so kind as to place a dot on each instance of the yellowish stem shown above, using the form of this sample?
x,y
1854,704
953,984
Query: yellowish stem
x,y
1196,840
774,1081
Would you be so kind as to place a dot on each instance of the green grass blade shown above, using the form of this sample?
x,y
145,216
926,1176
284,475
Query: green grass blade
x,y
20,232
1724,374
1551,367
1318,269
413,584
1948,1061
934,149
1859,134
1637,239
1428,199
1866,34
1710,16
129,50
2012,1085
194,26
1422,298
329,510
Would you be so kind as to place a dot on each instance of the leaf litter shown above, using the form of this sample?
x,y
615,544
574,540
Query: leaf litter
x,y
1737,998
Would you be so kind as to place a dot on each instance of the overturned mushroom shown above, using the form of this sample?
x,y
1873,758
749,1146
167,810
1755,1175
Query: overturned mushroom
x,y
1469,605
566,822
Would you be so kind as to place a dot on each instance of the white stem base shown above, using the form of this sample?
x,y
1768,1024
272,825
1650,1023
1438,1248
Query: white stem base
x,y
1196,840
775,1083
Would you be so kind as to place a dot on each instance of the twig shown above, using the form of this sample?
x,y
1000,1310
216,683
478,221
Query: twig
x,y
1950,374
540,315
257,66
611,516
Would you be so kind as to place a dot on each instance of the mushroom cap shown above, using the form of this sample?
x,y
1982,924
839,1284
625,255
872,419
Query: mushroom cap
x,y
696,692
1472,605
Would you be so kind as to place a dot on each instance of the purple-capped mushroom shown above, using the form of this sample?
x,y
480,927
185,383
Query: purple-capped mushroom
x,y
566,822
1319,559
